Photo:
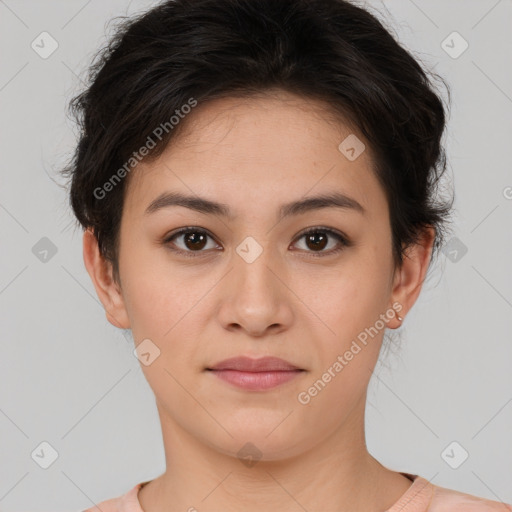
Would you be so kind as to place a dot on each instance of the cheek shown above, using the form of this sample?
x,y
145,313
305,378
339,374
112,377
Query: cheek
x,y
349,297
349,342
349,303
167,305
157,305
152,293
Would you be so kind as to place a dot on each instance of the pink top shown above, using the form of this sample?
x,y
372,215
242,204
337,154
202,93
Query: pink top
x,y
422,496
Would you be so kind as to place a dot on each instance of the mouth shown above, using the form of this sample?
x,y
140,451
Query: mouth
x,y
255,374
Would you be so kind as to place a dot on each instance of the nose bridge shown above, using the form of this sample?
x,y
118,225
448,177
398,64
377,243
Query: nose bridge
x,y
252,265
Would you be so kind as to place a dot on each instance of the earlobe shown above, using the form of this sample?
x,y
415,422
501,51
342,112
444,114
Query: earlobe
x,y
108,291
411,275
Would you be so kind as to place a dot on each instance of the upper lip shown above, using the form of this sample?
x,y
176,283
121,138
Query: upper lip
x,y
247,364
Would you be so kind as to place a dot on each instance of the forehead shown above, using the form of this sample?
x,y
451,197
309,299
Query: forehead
x,y
269,148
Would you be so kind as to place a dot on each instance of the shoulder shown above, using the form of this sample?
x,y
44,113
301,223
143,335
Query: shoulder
x,y
449,500
128,502
424,496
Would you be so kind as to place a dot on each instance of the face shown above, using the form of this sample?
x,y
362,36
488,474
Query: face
x,y
245,280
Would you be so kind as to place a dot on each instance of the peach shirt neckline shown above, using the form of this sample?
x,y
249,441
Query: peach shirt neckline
x,y
415,499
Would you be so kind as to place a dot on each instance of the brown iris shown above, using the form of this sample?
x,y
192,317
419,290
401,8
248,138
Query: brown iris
x,y
194,240
317,239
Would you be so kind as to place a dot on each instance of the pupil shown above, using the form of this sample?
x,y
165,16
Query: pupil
x,y
313,236
195,238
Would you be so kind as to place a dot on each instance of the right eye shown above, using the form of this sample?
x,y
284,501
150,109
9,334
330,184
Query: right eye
x,y
193,240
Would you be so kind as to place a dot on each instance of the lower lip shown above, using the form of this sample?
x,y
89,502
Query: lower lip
x,y
256,381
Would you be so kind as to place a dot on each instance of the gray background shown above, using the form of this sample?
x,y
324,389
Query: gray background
x,y
70,379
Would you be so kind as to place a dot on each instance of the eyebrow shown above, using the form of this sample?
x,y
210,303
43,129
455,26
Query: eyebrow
x,y
207,206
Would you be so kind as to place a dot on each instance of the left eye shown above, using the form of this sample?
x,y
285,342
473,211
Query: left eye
x,y
317,239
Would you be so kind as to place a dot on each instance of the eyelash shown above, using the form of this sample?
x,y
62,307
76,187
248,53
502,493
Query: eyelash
x,y
344,242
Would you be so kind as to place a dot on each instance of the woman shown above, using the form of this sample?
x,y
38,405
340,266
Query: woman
x,y
257,184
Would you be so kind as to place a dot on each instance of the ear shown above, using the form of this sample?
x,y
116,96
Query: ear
x,y
107,289
408,280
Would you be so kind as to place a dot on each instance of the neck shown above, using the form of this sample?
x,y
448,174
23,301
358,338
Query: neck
x,y
336,474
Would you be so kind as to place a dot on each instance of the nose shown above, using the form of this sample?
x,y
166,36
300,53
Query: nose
x,y
257,299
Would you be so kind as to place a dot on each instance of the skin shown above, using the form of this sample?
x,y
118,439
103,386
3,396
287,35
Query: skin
x,y
254,155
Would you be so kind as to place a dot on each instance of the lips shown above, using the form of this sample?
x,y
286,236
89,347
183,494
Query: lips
x,y
250,374
247,364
